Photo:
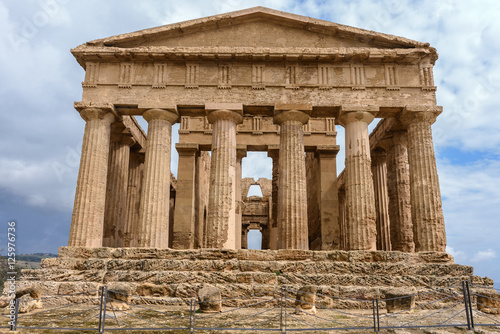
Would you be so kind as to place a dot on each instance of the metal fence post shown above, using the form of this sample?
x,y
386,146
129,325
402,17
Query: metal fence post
x,y
102,309
471,314
13,325
466,302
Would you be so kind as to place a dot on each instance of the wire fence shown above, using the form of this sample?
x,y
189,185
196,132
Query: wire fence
x,y
285,309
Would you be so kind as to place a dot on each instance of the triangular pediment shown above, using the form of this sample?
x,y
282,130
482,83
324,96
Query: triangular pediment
x,y
257,27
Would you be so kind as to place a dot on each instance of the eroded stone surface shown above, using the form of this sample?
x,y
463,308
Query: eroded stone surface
x,y
181,273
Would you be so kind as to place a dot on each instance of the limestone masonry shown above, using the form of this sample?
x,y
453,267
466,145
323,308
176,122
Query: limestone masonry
x,y
258,80
269,81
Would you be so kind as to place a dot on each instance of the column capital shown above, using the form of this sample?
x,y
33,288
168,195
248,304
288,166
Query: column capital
x,y
416,114
187,148
357,113
91,110
97,113
171,115
229,111
292,112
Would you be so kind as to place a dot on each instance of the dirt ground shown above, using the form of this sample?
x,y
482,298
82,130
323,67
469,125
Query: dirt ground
x,y
177,319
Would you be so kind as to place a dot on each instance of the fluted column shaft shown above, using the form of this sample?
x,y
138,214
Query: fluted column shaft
x,y
136,171
88,212
344,234
379,172
292,207
273,228
116,191
398,189
426,207
360,203
221,219
153,226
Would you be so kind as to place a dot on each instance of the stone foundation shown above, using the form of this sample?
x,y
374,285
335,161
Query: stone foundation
x,y
181,273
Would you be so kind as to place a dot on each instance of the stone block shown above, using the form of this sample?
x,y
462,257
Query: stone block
x,y
33,291
50,262
397,300
264,278
209,299
119,295
305,300
218,254
186,290
244,278
256,255
264,290
133,276
488,302
293,255
435,257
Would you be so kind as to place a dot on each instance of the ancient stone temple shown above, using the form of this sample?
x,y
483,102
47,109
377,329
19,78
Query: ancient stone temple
x,y
258,80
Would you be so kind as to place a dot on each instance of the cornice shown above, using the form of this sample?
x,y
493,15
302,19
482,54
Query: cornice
x,y
341,54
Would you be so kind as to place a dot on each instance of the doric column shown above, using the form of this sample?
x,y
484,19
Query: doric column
x,y
135,174
328,195
379,173
360,202
344,241
292,207
273,153
185,199
264,229
202,189
241,152
221,231
244,236
115,213
398,190
88,212
426,207
155,198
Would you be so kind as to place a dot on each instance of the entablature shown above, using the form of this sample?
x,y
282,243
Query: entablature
x,y
85,54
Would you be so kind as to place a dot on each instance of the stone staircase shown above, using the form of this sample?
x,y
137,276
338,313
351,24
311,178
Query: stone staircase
x,y
175,274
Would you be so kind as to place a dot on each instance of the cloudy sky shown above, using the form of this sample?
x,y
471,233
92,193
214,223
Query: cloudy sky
x,y
41,133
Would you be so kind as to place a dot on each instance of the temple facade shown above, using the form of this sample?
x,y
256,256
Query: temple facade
x,y
258,80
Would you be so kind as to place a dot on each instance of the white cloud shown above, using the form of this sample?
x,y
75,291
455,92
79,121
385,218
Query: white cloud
x,y
486,255
458,255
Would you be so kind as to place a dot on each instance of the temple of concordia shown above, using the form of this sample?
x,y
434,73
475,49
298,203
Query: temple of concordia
x,y
256,80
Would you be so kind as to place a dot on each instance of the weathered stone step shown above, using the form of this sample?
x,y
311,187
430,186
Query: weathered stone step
x,y
252,255
181,273
221,277
239,294
278,267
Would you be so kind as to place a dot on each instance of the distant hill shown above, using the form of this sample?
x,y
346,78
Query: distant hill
x,y
23,261
32,261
